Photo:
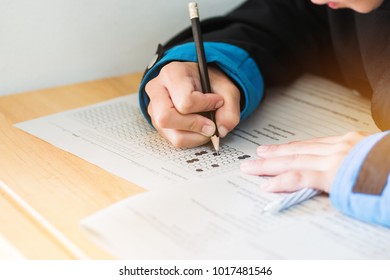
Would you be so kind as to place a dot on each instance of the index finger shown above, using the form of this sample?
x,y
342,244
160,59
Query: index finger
x,y
164,115
185,91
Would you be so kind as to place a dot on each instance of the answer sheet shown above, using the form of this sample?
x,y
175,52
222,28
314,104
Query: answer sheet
x,y
116,137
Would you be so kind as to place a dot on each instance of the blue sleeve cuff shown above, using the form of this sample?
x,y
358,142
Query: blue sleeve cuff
x,y
234,61
366,207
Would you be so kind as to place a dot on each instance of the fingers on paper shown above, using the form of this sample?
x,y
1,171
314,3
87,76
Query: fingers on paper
x,y
309,148
278,165
309,163
294,181
318,146
293,172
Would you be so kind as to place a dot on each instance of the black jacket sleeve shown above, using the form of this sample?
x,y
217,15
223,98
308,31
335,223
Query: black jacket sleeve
x,y
284,37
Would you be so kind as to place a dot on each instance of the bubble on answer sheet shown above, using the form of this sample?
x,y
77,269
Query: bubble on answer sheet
x,y
126,124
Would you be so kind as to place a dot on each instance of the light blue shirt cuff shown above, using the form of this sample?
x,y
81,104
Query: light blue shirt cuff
x,y
366,207
234,61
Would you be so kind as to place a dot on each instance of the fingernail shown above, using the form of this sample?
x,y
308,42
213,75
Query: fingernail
x,y
222,131
208,130
219,104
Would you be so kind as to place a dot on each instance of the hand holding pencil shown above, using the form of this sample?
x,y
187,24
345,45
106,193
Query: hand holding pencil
x,y
177,101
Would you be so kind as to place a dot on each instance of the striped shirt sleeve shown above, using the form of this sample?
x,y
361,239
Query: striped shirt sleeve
x,y
361,187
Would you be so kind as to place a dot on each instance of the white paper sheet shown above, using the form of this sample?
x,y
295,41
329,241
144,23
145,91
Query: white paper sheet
x,y
224,220
115,136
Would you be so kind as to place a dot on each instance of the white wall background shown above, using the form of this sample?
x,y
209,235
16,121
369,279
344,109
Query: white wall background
x,y
46,43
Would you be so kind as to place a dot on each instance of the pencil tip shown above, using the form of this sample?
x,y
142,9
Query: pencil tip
x,y
215,141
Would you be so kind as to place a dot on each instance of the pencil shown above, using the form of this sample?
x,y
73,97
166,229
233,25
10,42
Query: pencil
x,y
203,72
291,200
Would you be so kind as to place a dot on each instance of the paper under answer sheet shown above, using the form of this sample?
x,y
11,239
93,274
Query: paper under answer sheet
x,y
224,220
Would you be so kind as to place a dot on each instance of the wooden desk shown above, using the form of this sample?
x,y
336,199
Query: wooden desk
x,y
60,186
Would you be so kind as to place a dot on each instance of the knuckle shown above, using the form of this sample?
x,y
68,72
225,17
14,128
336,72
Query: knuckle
x,y
184,105
166,73
167,68
169,71
161,119
354,135
350,135
296,177
344,146
349,139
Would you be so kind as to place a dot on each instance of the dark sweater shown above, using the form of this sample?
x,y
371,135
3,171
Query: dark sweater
x,y
289,37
